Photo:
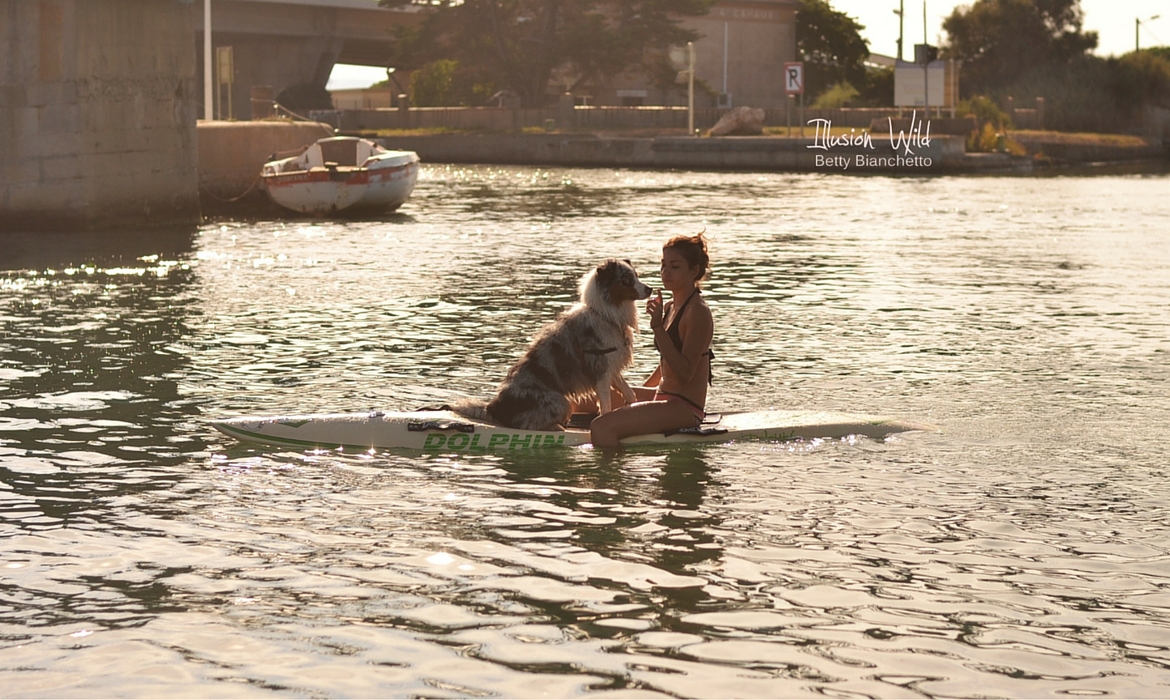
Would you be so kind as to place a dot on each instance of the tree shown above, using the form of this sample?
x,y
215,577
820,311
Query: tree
x,y
431,86
878,88
832,48
523,44
1142,78
998,39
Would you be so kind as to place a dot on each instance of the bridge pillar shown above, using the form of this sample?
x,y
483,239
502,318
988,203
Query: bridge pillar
x,y
293,44
97,130
282,62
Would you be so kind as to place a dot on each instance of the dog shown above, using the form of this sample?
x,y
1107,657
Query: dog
x,y
577,357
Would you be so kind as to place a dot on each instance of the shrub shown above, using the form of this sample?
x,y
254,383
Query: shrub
x,y
836,97
985,111
986,140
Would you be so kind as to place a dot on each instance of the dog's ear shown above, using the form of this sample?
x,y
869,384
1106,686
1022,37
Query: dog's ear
x,y
608,269
628,262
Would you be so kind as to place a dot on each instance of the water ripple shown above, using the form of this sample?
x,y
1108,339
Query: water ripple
x,y
1018,552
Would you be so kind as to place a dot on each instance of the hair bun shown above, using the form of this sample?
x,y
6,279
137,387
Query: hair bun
x,y
694,251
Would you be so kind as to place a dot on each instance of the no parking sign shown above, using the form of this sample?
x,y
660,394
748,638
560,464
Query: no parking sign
x,y
794,78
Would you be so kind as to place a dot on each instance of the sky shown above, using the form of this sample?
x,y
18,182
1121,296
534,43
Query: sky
x,y
1113,20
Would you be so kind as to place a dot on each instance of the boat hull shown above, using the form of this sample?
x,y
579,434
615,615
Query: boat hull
x,y
331,190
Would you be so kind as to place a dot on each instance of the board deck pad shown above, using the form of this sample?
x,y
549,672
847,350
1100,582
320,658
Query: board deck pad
x,y
447,431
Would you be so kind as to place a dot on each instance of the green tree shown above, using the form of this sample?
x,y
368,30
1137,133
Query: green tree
x,y
524,44
431,85
831,46
1141,78
998,39
878,88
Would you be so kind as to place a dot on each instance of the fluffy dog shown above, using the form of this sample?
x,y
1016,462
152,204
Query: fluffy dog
x,y
579,356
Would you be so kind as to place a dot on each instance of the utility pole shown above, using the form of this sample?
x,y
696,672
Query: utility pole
x,y
901,12
207,92
726,37
925,63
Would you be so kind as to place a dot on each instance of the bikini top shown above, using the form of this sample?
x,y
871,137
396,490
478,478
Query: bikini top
x,y
676,339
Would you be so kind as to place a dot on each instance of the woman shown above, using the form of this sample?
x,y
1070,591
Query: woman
x,y
676,392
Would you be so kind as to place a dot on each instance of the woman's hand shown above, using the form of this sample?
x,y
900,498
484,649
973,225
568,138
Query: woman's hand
x,y
654,308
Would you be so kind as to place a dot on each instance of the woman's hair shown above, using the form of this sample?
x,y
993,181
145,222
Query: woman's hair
x,y
694,251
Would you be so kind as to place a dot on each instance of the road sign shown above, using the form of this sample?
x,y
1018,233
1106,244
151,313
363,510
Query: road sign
x,y
794,78
224,65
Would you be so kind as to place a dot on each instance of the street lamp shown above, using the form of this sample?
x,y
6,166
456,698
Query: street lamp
x,y
1137,27
394,79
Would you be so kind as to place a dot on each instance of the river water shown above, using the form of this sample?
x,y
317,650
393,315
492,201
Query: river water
x,y
1022,550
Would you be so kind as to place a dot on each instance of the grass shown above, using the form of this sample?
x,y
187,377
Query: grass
x,y
423,131
1080,139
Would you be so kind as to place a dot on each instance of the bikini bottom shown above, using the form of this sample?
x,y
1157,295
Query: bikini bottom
x,y
693,407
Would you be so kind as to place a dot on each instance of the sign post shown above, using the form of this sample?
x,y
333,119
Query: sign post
x,y
225,69
684,62
207,78
690,88
794,85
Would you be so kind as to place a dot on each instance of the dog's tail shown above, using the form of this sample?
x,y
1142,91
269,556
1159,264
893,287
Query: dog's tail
x,y
472,408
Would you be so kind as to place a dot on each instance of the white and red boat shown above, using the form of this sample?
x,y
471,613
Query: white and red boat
x,y
341,173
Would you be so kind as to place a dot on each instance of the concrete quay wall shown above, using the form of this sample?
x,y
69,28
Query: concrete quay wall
x,y
97,122
725,153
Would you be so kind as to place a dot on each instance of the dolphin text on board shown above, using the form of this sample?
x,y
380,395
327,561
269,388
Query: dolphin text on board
x,y
498,441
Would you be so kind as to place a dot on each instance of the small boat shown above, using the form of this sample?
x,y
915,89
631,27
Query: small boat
x,y
341,173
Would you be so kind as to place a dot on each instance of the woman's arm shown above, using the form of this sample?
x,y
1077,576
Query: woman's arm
x,y
655,377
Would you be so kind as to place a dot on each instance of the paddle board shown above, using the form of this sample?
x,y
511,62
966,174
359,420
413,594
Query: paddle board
x,y
451,432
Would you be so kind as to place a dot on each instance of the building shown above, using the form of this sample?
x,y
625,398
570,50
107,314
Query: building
x,y
740,57
363,98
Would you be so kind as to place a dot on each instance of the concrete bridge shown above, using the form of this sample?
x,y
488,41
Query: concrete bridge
x,y
286,43
99,98
742,47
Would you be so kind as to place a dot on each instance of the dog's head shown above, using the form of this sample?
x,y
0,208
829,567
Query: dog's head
x,y
618,281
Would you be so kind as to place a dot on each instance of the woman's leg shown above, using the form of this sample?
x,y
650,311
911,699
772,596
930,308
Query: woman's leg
x,y
640,419
641,393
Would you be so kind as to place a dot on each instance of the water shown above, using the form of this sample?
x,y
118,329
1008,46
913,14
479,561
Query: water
x,y
1020,551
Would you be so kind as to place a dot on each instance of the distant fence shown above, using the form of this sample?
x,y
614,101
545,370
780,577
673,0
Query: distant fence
x,y
1156,122
580,118
1026,117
